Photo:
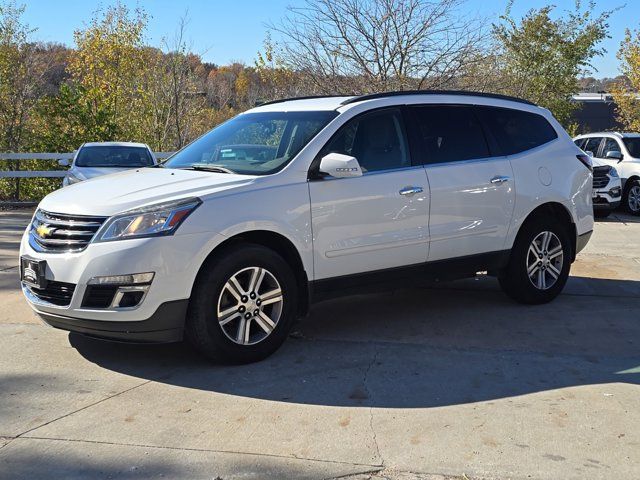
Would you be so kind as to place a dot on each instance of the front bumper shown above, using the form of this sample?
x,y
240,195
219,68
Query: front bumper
x,y
159,317
164,326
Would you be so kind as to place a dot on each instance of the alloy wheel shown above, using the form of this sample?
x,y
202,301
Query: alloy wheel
x,y
544,260
250,305
633,198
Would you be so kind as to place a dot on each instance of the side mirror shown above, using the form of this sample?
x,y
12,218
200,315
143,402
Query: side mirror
x,y
589,152
340,166
614,155
63,163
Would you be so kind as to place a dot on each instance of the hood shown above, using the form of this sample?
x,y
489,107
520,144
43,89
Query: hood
x,y
110,194
86,173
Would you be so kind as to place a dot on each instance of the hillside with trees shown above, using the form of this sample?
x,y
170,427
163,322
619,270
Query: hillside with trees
x,y
112,84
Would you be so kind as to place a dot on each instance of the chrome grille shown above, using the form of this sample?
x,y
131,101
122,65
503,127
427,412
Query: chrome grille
x,y
58,232
600,178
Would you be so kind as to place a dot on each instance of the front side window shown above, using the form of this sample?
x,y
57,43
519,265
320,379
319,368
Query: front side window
x,y
450,133
376,139
633,145
610,145
253,143
105,156
591,145
516,130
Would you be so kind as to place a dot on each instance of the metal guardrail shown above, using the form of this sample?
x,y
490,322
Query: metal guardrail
x,y
14,169
18,173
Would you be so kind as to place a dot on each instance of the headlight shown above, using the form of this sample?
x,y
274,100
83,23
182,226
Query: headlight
x,y
153,221
613,172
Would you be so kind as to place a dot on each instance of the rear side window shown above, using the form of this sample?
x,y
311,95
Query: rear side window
x,y
450,133
515,130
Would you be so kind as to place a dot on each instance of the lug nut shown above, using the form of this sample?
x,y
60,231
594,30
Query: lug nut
x,y
247,315
242,308
258,302
256,312
253,295
244,299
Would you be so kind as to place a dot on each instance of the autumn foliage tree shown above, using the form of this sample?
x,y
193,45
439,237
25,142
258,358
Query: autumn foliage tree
x,y
627,90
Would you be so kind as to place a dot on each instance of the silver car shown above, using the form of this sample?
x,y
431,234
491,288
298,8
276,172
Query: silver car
x,y
102,158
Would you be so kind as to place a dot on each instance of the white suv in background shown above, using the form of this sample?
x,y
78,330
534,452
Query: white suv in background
x,y
102,158
621,151
232,239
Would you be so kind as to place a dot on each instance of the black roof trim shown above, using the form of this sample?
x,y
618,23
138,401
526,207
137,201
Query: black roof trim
x,y
373,96
309,97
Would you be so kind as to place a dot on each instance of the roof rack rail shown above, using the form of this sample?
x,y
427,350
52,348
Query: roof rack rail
x,y
308,97
373,96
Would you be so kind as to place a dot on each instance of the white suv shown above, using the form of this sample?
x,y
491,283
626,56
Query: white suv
x,y
231,239
621,151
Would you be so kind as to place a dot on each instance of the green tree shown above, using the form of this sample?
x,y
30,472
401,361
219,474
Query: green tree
x,y
626,91
542,57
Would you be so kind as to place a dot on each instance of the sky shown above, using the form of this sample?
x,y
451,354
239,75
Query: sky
x,y
222,31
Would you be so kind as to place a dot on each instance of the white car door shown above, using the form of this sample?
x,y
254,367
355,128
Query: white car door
x,y
472,192
376,221
613,145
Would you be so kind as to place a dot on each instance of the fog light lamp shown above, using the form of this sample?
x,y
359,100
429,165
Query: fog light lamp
x,y
131,279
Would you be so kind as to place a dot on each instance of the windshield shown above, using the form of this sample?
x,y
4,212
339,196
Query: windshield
x,y
633,145
113,156
253,143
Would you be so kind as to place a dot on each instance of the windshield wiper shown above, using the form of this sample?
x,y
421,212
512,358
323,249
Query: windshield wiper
x,y
210,168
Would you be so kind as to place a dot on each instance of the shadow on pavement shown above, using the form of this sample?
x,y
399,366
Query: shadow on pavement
x,y
416,348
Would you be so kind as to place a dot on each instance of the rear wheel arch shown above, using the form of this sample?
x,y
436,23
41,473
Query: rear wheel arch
x,y
560,213
280,245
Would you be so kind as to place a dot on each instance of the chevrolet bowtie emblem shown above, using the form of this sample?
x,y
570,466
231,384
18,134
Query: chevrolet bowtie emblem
x,y
44,231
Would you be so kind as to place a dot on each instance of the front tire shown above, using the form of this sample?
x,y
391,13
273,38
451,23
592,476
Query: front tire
x,y
632,197
243,305
540,262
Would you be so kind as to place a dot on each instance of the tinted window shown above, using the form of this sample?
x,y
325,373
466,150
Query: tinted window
x,y
450,133
591,145
517,131
253,143
376,139
113,156
610,145
579,142
633,145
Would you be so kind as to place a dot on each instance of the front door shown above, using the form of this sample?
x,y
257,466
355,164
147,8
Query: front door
x,y
376,221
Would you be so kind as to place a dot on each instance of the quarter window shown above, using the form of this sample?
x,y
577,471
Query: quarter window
x,y
516,130
450,133
376,139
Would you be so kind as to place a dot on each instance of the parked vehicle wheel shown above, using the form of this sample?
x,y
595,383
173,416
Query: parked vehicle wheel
x,y
601,213
243,305
539,265
632,197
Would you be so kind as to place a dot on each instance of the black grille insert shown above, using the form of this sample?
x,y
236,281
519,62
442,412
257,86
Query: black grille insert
x,y
99,296
58,232
57,293
600,178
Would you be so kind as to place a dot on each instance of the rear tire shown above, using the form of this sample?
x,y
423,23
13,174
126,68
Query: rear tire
x,y
631,198
243,305
540,262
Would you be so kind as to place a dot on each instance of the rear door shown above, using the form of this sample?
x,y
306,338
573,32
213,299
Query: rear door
x,y
472,189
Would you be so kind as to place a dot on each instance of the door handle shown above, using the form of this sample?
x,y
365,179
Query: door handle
x,y
410,190
499,179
